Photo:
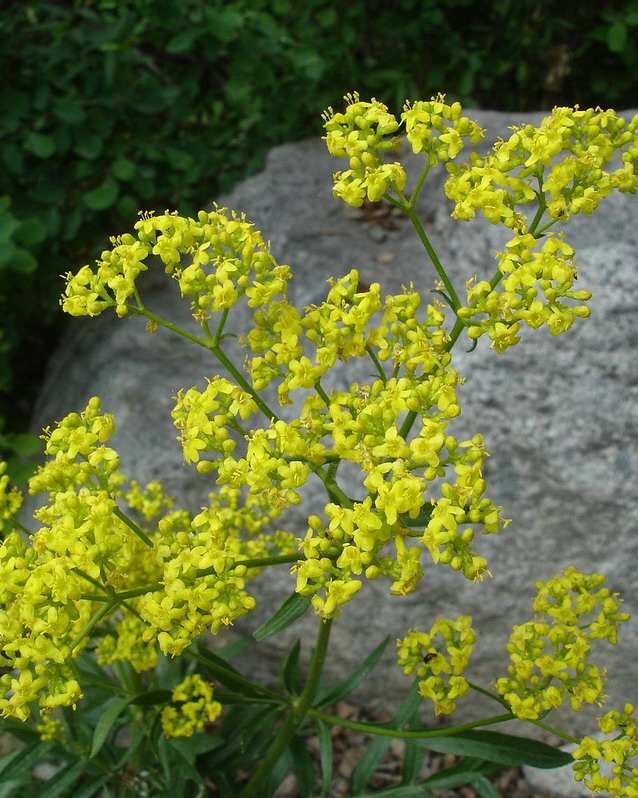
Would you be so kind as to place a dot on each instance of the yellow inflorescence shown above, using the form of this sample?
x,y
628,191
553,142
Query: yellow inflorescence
x,y
228,259
360,134
85,552
549,655
160,583
439,657
564,157
191,708
620,752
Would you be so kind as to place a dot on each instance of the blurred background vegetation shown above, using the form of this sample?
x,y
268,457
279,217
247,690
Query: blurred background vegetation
x,y
112,106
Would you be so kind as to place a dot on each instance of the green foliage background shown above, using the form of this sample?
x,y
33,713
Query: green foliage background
x,y
112,106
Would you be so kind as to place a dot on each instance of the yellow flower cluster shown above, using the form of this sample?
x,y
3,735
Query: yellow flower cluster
x,y
204,417
227,259
202,584
191,709
347,324
353,542
361,425
50,728
533,289
182,575
149,501
438,129
549,655
360,134
10,501
439,670
39,615
127,643
577,144
621,752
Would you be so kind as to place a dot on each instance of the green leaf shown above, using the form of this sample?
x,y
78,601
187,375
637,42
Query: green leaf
x,y
8,788
290,669
302,762
224,672
30,232
325,756
412,762
8,224
485,788
135,741
40,145
351,682
184,765
224,23
229,651
102,197
294,606
617,37
89,669
152,697
401,791
369,762
106,722
69,111
63,779
184,40
22,261
467,771
25,444
89,145
375,752
27,758
8,251
90,789
7,759
123,169
504,749
20,731
278,773
192,747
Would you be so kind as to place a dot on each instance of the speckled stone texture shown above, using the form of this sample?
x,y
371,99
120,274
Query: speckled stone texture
x,y
559,415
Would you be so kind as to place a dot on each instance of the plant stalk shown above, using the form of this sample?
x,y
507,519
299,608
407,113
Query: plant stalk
x,y
300,708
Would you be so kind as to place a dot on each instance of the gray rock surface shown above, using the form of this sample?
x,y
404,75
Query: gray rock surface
x,y
560,415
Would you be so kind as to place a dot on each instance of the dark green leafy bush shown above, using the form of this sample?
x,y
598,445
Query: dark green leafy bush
x,y
110,107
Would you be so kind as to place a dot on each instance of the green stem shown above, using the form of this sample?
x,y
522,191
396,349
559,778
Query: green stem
x,y
416,223
377,364
220,327
551,729
407,734
334,491
243,382
300,708
93,621
418,186
540,210
257,562
546,226
489,694
155,587
142,311
21,527
408,421
322,394
219,354
133,526
538,723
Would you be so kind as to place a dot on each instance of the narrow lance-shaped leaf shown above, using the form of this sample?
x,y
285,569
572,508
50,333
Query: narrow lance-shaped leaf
x,y
294,606
505,749
354,679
